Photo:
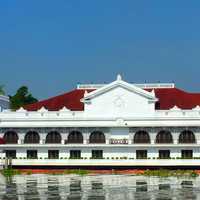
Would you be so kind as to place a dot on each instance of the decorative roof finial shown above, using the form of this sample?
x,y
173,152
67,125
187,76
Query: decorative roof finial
x,y
119,77
86,92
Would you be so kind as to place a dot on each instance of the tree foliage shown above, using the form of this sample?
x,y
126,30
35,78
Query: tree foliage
x,y
21,98
2,91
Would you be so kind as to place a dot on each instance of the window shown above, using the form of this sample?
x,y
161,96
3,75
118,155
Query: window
x,y
75,137
10,137
97,137
164,154
53,154
141,137
185,154
32,137
11,154
31,154
164,137
97,154
141,154
75,154
53,137
187,137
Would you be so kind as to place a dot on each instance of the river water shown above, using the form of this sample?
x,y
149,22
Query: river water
x,y
98,187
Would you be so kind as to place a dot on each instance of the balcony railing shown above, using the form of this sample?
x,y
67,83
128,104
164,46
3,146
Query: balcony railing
x,y
118,141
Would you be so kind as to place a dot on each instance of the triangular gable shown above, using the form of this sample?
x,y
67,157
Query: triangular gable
x,y
120,83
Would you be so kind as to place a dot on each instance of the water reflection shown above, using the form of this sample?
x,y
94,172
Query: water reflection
x,y
10,191
141,186
31,190
187,191
53,190
164,192
96,192
102,187
75,190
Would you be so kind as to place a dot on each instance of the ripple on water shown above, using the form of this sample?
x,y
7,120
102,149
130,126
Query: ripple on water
x,y
100,187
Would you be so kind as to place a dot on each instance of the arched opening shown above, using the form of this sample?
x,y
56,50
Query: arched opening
x,y
187,136
53,137
141,137
32,137
75,137
164,137
10,137
97,137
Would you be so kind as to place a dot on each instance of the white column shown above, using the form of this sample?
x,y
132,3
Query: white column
x,y
21,136
43,135
130,139
107,141
85,137
64,136
197,135
152,135
175,135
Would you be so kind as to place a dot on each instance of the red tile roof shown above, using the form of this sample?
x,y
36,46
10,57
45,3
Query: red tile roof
x,y
2,141
70,100
168,98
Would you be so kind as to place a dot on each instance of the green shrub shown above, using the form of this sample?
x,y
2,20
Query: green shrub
x,y
166,173
10,172
76,171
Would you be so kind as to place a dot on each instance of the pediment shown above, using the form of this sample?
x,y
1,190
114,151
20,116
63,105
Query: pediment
x,y
119,99
119,83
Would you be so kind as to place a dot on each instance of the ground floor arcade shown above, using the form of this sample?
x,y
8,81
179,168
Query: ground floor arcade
x,y
91,146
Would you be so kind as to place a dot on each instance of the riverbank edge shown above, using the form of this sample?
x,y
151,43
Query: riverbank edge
x,y
158,172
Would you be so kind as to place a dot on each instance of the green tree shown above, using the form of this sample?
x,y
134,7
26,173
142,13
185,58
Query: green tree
x,y
21,98
2,91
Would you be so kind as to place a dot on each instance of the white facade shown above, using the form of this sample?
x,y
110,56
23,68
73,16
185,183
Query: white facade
x,y
127,125
4,102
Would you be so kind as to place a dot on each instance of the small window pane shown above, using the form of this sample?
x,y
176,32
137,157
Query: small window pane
x,y
164,154
141,154
97,154
75,154
11,154
53,154
32,154
186,154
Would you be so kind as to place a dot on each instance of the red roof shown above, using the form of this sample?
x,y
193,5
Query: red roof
x,y
70,100
168,98
2,141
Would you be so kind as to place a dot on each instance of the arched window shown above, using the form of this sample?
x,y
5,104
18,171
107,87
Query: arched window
x,y
75,137
97,137
10,137
164,137
53,137
141,137
32,137
187,136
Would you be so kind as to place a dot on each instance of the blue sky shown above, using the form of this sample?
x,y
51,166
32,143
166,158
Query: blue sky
x,y
51,45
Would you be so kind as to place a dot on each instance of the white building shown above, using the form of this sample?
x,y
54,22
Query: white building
x,y
4,102
116,124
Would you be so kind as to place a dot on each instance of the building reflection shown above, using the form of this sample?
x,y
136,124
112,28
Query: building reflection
x,y
141,191
187,191
96,192
95,188
10,191
53,190
31,190
75,190
164,192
